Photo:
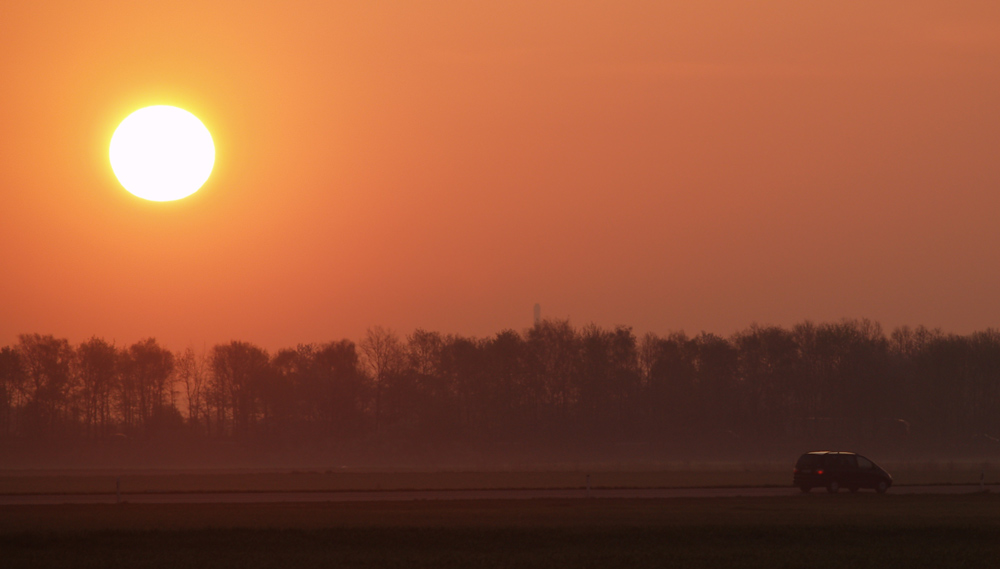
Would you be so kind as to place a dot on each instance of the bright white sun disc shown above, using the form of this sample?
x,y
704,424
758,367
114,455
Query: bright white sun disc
x,y
162,153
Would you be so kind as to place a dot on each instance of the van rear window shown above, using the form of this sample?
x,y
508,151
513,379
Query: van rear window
x,y
808,461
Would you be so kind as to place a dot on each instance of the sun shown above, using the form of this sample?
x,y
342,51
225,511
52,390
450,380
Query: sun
x,y
162,153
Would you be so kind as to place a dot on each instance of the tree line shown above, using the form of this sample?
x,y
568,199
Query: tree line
x,y
550,383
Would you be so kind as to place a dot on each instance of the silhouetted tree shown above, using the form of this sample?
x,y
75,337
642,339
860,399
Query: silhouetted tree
x,y
462,366
97,369
239,370
434,408
384,359
608,380
47,363
12,383
341,387
768,366
670,383
983,390
510,399
192,375
555,350
144,387
716,366
548,387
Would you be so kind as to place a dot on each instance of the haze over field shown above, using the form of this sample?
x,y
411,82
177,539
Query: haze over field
x,y
445,165
552,396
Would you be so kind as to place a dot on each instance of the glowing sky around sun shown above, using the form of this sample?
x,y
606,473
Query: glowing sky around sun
x,y
446,165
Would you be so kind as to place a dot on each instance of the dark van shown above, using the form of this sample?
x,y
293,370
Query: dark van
x,y
836,470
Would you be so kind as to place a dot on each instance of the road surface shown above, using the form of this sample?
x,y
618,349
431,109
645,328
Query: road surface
x,y
413,495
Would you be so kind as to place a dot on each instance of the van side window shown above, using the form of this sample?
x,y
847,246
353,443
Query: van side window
x,y
864,463
846,461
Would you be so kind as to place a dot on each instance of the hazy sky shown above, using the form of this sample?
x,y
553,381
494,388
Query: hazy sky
x,y
446,165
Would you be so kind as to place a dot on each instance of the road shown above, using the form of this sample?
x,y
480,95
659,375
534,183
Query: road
x,y
413,495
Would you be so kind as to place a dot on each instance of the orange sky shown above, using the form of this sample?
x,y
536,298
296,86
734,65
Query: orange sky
x,y
445,165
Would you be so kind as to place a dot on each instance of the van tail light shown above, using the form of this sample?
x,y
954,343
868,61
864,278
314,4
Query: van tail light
x,y
820,472
795,471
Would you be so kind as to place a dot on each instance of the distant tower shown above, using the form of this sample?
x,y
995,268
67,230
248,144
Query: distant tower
x,y
538,314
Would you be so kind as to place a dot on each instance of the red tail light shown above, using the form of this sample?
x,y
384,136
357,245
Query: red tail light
x,y
795,471
819,472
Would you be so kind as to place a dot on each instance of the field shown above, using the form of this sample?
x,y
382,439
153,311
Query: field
x,y
864,530
674,475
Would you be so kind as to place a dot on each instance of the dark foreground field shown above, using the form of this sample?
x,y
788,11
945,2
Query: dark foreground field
x,y
864,530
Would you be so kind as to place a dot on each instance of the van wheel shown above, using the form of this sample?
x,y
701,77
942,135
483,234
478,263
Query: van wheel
x,y
805,489
833,487
882,487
